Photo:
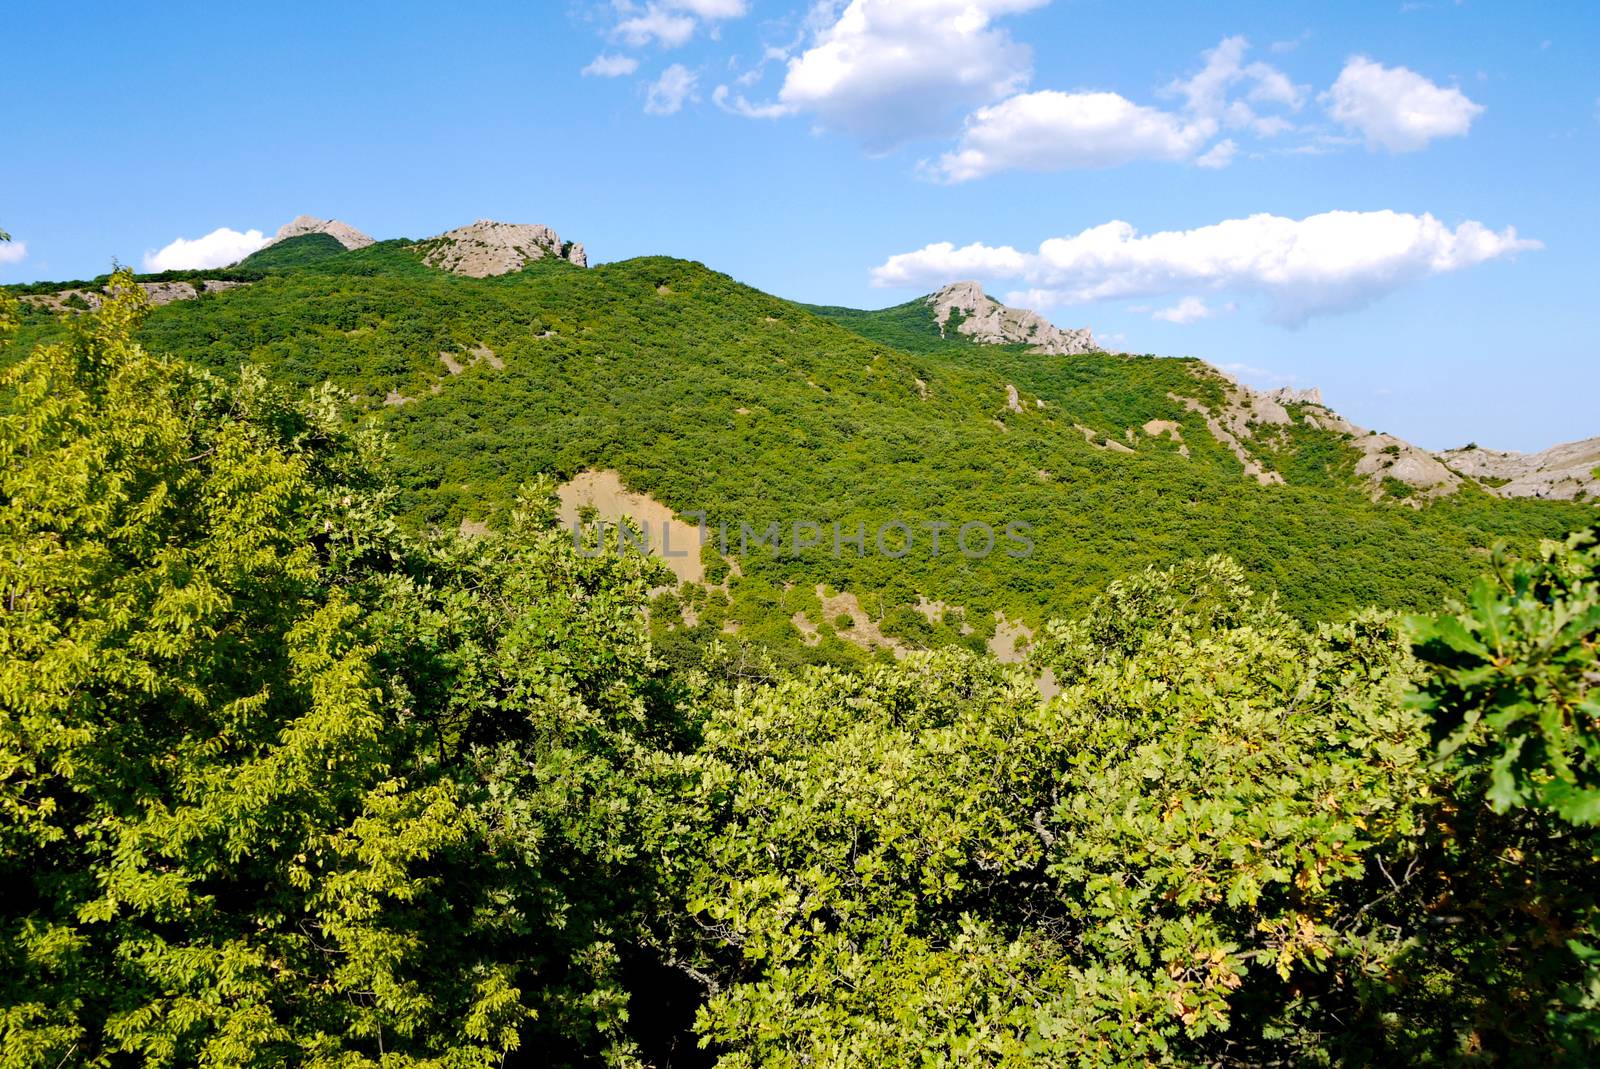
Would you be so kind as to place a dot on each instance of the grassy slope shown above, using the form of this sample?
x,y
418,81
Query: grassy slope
x,y
644,365
293,253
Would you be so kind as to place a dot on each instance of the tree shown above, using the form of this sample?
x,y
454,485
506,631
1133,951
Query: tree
x,y
1515,711
279,784
1171,862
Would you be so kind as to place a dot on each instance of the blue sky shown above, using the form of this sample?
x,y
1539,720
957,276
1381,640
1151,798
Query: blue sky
x,y
1424,173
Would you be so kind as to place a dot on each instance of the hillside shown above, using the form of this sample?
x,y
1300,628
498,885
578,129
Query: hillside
x,y
303,758
296,251
709,395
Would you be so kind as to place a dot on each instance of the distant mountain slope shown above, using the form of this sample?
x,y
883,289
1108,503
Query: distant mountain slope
x,y
963,308
1263,430
710,395
303,225
477,250
963,314
1567,471
487,247
297,251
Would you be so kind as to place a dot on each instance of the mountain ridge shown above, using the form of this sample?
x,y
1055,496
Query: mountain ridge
x,y
301,225
965,308
488,247
1254,426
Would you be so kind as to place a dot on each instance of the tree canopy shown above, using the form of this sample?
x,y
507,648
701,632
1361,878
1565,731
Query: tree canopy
x,y
286,780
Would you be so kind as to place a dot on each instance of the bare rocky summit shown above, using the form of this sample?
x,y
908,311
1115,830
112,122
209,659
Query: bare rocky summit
x,y
489,248
986,321
301,225
1253,424
1564,471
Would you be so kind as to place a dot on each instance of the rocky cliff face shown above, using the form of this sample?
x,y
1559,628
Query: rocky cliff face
x,y
964,307
489,248
343,233
1564,471
1252,425
157,293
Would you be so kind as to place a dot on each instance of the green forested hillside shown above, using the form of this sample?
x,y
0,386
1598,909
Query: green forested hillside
x,y
293,252
288,778
908,326
712,396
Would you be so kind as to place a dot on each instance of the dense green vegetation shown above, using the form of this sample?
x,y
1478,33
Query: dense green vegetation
x,y
712,396
287,780
908,326
292,253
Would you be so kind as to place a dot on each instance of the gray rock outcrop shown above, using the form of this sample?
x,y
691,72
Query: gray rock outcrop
x,y
988,322
487,248
300,225
157,293
1564,471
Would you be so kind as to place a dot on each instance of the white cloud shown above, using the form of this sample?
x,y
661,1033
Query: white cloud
x,y
1332,262
656,24
668,93
1052,131
1188,310
13,252
712,9
670,23
1218,156
219,248
1207,92
890,71
1395,108
1211,93
611,65
1278,48
728,100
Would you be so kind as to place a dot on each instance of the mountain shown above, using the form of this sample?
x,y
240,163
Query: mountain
x,y
705,395
488,248
1258,427
301,225
957,315
1570,471
963,307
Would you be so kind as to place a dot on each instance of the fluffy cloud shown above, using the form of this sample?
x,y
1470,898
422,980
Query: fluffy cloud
x,y
889,71
1052,131
1325,263
611,65
668,93
1055,131
219,248
1219,155
13,252
1395,108
671,23
656,24
1188,310
1208,91
712,9
1230,91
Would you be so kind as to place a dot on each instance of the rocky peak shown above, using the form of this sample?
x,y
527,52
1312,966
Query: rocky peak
x,y
988,322
1288,395
487,247
1569,471
343,233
